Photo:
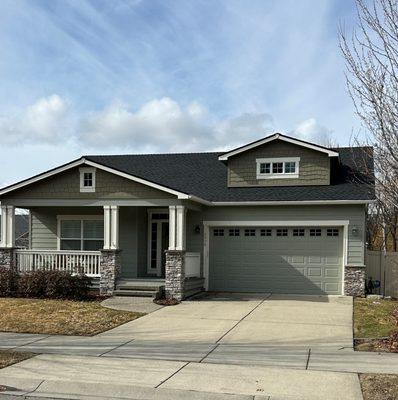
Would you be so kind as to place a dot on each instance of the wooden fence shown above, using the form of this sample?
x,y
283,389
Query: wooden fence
x,y
384,268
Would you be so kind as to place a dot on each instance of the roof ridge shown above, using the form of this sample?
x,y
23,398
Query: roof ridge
x,y
153,154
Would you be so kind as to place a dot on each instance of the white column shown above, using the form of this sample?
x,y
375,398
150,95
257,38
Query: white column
x,y
180,227
172,227
114,227
107,227
10,226
7,226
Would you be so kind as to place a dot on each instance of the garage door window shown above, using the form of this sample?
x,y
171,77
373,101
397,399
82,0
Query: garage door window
x,y
266,232
234,232
281,232
333,232
316,232
250,232
298,232
218,232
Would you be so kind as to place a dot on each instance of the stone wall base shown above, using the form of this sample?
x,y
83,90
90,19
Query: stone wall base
x,y
110,270
354,281
7,259
175,274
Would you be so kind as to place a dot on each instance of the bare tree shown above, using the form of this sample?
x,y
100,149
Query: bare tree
x,y
371,56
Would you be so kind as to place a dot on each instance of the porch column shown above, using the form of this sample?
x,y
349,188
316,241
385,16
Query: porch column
x,y
175,255
7,243
110,254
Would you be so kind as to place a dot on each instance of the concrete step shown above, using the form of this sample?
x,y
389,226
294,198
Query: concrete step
x,y
135,293
137,287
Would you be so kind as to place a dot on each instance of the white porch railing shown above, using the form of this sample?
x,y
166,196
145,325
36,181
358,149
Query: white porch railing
x,y
192,265
60,260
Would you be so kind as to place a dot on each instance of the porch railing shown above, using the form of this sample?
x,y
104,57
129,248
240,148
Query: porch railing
x,y
59,260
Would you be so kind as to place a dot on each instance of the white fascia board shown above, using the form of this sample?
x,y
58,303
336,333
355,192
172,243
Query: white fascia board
x,y
44,175
293,203
279,223
330,153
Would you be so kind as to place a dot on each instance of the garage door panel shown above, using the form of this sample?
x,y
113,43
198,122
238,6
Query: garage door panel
x,y
302,264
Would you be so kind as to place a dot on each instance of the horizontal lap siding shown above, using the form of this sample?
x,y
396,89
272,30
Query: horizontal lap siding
x,y
355,214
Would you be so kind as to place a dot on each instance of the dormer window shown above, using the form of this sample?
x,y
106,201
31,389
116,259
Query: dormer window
x,y
87,180
276,168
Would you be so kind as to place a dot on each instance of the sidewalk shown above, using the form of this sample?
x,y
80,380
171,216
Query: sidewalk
x,y
50,376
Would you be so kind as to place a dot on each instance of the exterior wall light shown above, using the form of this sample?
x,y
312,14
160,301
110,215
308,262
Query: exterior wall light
x,y
355,230
197,229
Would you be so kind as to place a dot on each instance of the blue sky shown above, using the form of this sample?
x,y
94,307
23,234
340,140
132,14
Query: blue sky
x,y
131,76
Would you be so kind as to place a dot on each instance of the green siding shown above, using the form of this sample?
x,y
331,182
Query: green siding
x,y
314,166
66,185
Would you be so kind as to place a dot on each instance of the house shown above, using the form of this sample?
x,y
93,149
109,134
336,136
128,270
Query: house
x,y
277,215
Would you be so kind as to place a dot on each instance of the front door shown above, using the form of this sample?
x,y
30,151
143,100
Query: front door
x,y
158,242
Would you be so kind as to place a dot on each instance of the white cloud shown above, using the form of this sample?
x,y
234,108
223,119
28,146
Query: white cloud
x,y
311,131
45,121
164,125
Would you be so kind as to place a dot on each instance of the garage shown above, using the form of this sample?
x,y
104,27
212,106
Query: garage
x,y
297,260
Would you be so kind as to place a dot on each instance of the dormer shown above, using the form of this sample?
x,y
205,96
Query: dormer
x,y
279,160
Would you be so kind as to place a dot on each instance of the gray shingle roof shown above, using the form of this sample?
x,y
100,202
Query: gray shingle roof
x,y
204,176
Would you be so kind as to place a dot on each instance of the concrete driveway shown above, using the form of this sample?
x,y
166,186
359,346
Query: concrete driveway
x,y
236,347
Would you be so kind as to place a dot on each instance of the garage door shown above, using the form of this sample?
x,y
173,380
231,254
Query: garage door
x,y
279,260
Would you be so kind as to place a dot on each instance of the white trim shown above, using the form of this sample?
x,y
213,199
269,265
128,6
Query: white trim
x,y
208,224
276,136
159,223
280,203
107,227
114,227
80,218
283,174
87,189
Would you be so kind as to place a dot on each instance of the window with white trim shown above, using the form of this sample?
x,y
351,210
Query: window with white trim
x,y
298,232
87,180
250,232
234,232
275,168
81,234
332,232
218,232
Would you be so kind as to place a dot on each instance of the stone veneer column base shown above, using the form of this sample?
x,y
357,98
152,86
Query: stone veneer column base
x,y
7,257
175,274
110,270
354,281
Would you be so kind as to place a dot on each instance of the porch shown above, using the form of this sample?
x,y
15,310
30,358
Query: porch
x,y
115,245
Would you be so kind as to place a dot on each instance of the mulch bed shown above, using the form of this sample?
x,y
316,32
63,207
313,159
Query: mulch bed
x,y
166,302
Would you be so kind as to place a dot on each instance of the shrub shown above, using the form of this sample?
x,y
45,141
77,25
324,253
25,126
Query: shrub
x,y
54,285
8,282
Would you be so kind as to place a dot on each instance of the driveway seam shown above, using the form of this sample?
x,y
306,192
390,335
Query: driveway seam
x,y
308,359
245,316
114,348
173,374
211,351
29,343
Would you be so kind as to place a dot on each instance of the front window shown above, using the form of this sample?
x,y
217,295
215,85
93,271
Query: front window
x,y
81,234
275,168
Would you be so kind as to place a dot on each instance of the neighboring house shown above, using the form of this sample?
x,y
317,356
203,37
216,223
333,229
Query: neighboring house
x,y
21,230
278,215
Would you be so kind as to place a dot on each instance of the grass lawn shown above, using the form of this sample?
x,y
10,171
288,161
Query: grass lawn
x,y
11,357
379,387
64,317
373,318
